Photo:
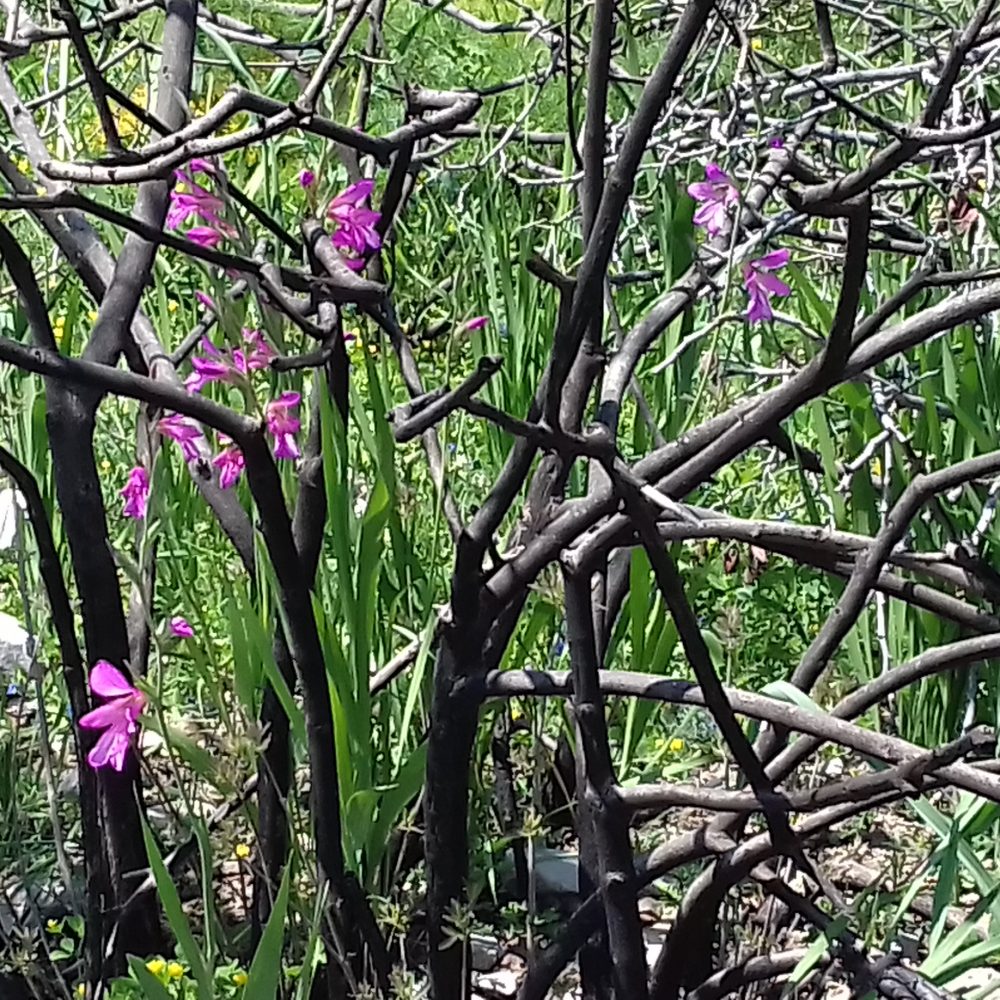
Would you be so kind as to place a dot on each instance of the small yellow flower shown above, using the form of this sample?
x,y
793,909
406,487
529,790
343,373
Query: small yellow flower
x,y
59,329
373,349
157,966
53,926
516,713
172,306
92,316
105,466
240,977
175,970
81,990
876,466
242,851
40,191
756,44
675,745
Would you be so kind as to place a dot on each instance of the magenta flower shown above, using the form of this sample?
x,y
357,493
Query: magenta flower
x,y
716,193
761,284
205,300
204,236
184,431
136,493
282,424
354,225
307,178
118,717
477,323
212,366
229,462
199,165
776,142
259,354
199,203
180,628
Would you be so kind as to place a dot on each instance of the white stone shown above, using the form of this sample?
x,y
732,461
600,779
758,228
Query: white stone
x,y
14,653
9,501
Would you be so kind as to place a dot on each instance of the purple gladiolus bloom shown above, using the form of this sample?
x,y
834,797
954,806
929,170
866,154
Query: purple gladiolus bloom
x,y
184,431
259,353
307,178
229,462
477,323
212,366
282,424
204,236
136,493
180,628
761,284
354,225
715,194
118,717
198,202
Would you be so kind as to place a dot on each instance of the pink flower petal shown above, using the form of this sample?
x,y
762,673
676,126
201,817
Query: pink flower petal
x,y
771,261
773,285
107,681
110,749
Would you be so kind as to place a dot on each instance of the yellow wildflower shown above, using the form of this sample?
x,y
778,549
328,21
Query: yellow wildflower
x,y
92,316
175,970
876,466
242,851
172,306
81,990
53,926
675,745
240,977
157,966
756,44
59,329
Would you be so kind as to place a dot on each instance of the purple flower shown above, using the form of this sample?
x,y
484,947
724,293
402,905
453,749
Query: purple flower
x,y
136,493
204,236
354,225
180,628
118,717
282,424
260,353
198,202
199,165
212,366
477,323
205,300
229,462
307,178
184,431
716,193
776,142
761,284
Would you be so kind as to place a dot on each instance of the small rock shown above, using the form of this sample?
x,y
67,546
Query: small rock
x,y
14,649
654,938
557,872
10,500
485,952
503,982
